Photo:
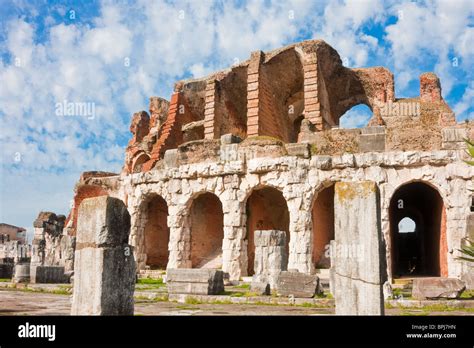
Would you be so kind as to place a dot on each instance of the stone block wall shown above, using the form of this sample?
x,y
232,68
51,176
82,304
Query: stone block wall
x,y
299,177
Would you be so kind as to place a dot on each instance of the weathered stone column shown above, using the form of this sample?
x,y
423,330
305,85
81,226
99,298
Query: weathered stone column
x,y
179,245
234,234
271,256
104,266
300,257
358,253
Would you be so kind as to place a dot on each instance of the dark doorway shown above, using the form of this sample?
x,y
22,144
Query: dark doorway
x,y
266,210
418,231
156,233
323,227
207,231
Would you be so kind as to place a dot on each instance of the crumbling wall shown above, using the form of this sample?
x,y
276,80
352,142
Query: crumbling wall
x,y
51,246
90,184
297,93
182,111
145,131
230,104
14,251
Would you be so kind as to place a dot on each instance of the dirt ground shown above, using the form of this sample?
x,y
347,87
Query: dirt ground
x,y
14,302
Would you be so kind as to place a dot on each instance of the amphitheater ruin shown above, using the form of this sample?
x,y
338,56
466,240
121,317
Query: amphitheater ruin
x,y
258,147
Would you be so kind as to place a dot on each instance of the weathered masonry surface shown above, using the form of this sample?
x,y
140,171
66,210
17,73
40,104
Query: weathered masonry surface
x,y
257,147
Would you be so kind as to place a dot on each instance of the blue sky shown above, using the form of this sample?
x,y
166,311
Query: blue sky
x,y
118,54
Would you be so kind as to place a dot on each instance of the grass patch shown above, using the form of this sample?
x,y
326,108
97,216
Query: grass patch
x,y
243,294
163,298
5,280
313,149
61,291
149,281
313,305
192,300
261,303
418,313
243,286
465,294
444,308
326,295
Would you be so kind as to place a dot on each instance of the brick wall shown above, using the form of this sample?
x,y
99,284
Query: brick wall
x,y
171,135
311,95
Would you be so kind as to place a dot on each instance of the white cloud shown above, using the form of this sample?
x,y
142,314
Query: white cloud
x,y
466,102
165,41
341,26
356,117
433,28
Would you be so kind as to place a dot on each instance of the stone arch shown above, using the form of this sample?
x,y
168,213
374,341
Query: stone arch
x,y
206,221
138,162
425,251
266,209
354,111
155,231
322,216
282,100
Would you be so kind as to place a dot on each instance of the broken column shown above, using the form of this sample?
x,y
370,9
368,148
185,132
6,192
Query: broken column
x,y
271,256
358,253
104,266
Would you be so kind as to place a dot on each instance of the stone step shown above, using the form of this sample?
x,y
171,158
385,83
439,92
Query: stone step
x,y
403,281
151,273
402,286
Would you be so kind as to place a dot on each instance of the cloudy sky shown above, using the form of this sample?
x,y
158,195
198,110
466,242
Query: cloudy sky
x,y
118,54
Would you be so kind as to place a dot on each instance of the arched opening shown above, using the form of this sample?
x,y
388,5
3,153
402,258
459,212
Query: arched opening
x,y
266,210
356,117
156,233
207,231
323,227
407,225
138,163
418,231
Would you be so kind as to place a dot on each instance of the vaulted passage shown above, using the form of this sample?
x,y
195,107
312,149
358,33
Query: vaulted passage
x,y
266,210
207,231
156,233
323,227
418,231
281,99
